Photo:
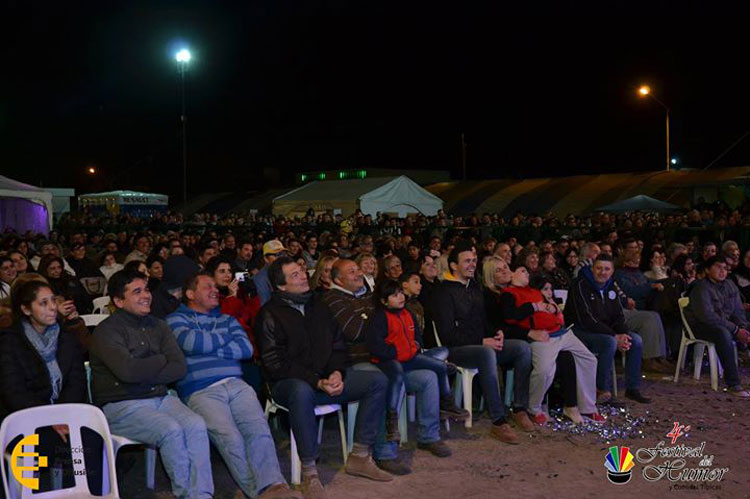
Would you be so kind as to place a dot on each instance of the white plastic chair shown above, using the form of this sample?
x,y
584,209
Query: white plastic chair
x,y
688,338
118,442
25,422
100,305
406,414
320,410
93,320
463,390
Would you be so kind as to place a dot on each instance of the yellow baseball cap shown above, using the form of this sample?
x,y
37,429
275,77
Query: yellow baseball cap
x,y
272,247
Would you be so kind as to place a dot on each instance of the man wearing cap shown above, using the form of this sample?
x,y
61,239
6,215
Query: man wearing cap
x,y
715,314
271,251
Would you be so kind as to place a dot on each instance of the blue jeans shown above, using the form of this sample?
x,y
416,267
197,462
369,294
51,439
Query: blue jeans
x,y
424,383
178,433
366,387
604,347
396,370
724,341
238,429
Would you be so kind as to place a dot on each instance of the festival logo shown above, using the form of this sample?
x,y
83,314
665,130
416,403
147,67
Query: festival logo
x,y
619,464
18,452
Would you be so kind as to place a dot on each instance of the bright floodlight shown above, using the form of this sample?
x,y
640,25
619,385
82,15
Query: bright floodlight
x,y
644,90
183,55
92,170
674,161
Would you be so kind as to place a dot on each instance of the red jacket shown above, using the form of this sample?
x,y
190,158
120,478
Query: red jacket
x,y
537,320
393,336
245,309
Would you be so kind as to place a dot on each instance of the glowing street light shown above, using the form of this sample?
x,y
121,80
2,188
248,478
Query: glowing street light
x,y
183,57
645,91
91,170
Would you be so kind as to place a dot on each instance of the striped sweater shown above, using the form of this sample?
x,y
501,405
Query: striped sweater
x,y
213,345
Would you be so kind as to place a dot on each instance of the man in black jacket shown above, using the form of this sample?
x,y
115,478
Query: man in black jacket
x,y
594,309
304,356
133,358
462,326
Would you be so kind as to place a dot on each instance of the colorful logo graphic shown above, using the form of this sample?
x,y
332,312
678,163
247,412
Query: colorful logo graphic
x,y
619,463
18,452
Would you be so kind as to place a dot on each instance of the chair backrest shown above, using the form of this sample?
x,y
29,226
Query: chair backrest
x,y
683,303
87,366
562,294
25,422
92,320
100,305
437,338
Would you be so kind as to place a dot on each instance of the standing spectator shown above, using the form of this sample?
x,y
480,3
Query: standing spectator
x,y
715,314
133,358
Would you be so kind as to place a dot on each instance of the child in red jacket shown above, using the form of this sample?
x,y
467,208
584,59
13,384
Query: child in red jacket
x,y
395,341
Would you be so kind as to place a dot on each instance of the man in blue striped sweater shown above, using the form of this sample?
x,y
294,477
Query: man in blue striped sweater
x,y
214,344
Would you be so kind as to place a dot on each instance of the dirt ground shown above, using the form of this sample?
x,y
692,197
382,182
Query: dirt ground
x,y
547,463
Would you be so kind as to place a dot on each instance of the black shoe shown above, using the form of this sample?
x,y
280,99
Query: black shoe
x,y
449,409
391,427
438,448
637,396
616,403
393,466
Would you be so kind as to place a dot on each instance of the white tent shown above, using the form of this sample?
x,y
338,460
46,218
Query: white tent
x,y
24,207
397,195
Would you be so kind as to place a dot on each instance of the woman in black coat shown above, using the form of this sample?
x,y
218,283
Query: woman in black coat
x,y
42,364
63,284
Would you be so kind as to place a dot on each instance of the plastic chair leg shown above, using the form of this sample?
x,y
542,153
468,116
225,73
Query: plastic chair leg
x,y
713,364
342,435
509,377
680,360
411,405
351,421
296,463
614,379
698,349
150,461
466,379
403,421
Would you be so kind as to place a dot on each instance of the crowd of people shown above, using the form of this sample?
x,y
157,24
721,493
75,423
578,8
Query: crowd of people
x,y
334,310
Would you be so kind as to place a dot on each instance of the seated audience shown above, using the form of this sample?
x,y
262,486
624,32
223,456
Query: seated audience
x,y
64,284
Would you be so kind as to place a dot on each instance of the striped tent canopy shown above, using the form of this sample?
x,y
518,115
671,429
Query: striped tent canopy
x,y
582,193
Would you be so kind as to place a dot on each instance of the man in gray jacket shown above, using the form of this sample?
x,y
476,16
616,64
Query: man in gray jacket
x,y
715,314
133,358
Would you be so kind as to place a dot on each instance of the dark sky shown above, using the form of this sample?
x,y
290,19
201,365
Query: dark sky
x,y
547,90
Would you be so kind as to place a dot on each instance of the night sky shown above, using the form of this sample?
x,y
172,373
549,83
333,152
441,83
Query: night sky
x,y
299,86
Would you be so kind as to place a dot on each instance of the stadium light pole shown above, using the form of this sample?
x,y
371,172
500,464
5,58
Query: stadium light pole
x,y
645,91
183,58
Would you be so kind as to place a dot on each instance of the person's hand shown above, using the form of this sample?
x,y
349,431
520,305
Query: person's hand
x,y
500,337
66,307
335,380
623,342
658,286
539,335
631,304
542,306
62,430
743,335
234,286
493,343
325,386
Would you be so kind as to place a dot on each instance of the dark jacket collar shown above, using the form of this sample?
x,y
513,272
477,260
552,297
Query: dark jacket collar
x,y
133,320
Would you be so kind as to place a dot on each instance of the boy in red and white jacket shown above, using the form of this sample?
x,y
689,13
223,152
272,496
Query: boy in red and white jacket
x,y
395,342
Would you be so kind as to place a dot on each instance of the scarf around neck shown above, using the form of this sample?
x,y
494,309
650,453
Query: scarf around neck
x,y
46,346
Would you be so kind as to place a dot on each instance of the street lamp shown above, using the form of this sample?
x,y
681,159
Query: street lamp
x,y
183,58
645,91
91,170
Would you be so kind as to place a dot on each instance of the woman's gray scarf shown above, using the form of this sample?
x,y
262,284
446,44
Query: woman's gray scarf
x,y
46,345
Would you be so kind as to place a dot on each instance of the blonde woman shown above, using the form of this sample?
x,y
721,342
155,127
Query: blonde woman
x,y
368,264
321,278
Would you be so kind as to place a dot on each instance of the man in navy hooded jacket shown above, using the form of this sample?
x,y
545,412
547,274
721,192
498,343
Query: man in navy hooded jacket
x,y
594,308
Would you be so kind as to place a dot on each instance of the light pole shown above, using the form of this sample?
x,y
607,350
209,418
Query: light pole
x,y
183,58
645,91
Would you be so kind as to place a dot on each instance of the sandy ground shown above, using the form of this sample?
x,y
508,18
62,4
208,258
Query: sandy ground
x,y
546,464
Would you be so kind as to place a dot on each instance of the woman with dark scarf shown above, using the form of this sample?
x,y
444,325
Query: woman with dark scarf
x,y
63,284
41,363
